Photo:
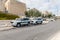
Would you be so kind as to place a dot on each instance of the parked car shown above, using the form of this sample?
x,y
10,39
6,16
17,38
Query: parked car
x,y
19,22
36,20
45,20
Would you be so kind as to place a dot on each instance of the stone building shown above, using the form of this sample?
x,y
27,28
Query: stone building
x,y
13,6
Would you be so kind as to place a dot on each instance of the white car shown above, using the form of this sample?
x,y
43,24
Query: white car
x,y
36,21
45,20
20,22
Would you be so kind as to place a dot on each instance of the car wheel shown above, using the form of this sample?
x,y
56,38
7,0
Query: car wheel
x,y
18,25
28,24
36,22
41,22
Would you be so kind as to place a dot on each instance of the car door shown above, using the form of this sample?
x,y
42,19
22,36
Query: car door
x,y
39,20
24,21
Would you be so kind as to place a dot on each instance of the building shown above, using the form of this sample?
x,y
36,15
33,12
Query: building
x,y
2,8
46,12
13,6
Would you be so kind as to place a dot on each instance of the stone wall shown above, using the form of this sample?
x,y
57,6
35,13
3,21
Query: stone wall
x,y
16,7
13,7
2,6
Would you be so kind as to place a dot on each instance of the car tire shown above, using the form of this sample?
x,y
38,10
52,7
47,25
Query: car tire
x,y
18,25
28,24
36,22
41,22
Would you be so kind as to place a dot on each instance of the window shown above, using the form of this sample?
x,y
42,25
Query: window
x,y
25,19
39,19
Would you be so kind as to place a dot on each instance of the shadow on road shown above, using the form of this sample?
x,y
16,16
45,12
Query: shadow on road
x,y
24,26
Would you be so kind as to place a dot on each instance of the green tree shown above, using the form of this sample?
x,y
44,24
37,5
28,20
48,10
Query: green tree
x,y
27,14
33,13
49,15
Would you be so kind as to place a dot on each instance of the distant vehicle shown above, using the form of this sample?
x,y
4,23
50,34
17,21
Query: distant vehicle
x,y
45,20
36,20
19,22
52,19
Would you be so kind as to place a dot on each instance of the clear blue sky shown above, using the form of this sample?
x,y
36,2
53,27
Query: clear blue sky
x,y
43,5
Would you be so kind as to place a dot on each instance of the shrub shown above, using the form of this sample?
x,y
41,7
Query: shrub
x,y
7,16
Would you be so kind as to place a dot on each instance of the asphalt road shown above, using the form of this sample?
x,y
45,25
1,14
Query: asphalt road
x,y
34,32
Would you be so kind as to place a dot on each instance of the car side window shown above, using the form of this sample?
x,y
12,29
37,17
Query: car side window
x,y
25,19
39,19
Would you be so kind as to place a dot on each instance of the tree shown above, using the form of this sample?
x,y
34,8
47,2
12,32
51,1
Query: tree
x,y
33,13
49,15
27,14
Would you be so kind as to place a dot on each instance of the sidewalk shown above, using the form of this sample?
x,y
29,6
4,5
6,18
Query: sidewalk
x,y
56,37
6,28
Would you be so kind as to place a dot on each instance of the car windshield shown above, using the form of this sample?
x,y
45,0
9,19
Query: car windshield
x,y
37,19
25,18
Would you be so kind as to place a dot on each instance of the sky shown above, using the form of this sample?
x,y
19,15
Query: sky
x,y
44,5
